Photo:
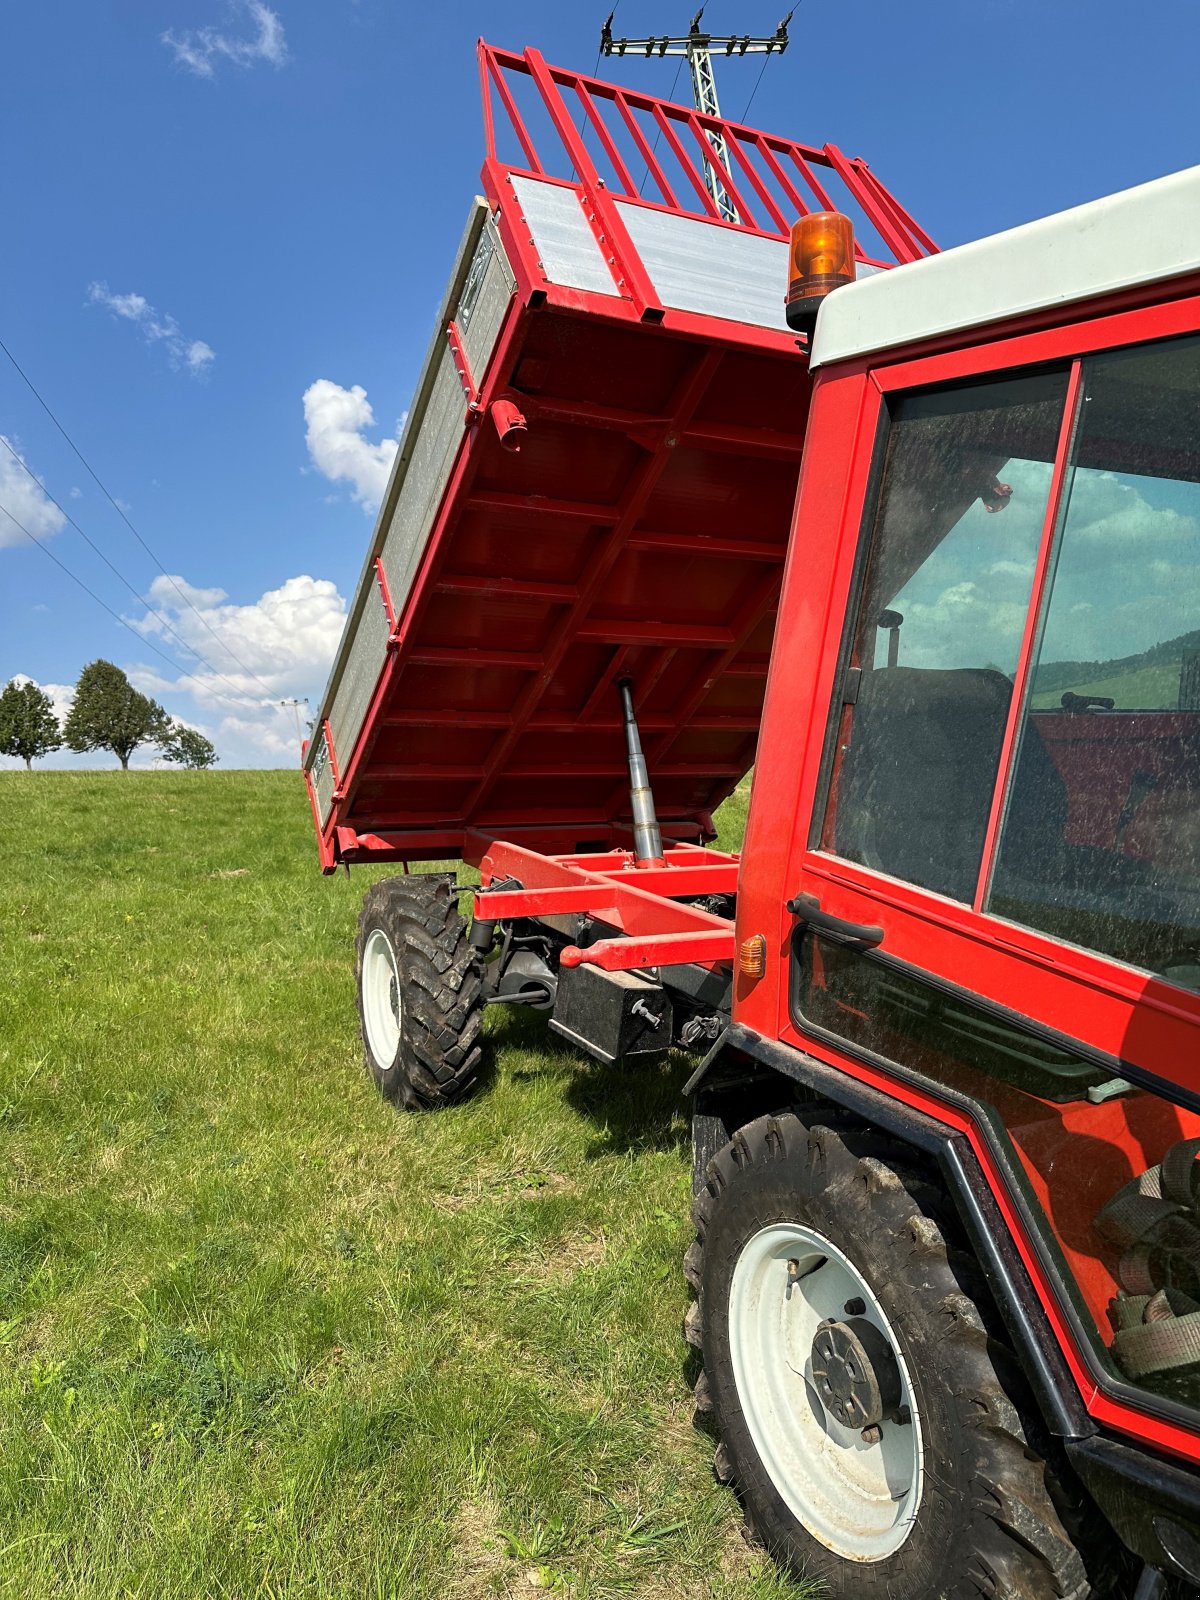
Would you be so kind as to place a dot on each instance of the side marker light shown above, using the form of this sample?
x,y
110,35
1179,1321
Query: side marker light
x,y
752,957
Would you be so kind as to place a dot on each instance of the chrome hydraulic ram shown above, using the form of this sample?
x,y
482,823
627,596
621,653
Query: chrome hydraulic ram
x,y
647,838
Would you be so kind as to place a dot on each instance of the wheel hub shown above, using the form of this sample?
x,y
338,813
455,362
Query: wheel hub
x,y
855,1372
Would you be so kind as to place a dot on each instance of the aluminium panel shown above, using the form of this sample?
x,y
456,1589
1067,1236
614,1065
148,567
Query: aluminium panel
x,y
703,267
716,271
562,236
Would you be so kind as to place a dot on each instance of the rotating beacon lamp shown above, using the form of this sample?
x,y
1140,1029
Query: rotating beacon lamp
x,y
821,259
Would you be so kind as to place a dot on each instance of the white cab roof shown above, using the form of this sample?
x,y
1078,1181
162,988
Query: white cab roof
x,y
1142,235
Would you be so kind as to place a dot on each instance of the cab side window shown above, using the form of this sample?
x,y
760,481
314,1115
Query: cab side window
x,y
940,618
1100,840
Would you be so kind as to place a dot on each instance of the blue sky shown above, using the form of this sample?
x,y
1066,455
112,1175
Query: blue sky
x,y
215,205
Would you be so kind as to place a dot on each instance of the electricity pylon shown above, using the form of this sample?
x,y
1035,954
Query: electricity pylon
x,y
698,46
295,705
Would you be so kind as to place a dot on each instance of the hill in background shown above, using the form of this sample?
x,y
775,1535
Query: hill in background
x,y
1146,681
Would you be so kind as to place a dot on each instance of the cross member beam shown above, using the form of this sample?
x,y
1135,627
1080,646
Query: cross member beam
x,y
656,929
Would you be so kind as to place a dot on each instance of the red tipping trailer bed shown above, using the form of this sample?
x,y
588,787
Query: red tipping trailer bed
x,y
595,481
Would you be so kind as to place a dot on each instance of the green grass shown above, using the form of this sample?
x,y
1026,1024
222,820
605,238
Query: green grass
x,y
259,1333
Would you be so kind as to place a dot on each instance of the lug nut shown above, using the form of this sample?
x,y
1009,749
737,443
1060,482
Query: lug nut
x,y
855,1307
872,1435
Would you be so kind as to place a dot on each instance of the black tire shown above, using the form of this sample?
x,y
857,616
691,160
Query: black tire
x,y
438,984
993,1519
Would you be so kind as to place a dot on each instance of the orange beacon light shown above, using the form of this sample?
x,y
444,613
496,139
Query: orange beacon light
x,y
821,258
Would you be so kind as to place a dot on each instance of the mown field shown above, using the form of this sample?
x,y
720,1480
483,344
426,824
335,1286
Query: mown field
x,y
259,1333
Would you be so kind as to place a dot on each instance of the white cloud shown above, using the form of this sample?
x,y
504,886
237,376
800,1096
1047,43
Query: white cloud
x,y
1127,576
286,638
25,500
198,356
284,643
156,327
200,50
336,420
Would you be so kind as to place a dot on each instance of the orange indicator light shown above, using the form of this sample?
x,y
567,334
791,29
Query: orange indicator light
x,y
821,259
752,957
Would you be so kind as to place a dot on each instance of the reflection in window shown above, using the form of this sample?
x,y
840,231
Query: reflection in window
x,y
947,587
1101,837
1078,1143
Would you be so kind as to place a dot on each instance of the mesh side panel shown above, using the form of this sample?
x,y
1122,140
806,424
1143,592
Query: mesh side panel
x,y
361,674
428,471
480,311
485,297
322,779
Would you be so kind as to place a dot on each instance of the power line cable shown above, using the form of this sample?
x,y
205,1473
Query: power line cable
x,y
45,549
754,91
28,381
116,571
658,135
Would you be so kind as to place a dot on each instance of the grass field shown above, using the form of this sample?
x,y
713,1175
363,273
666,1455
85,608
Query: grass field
x,y
259,1333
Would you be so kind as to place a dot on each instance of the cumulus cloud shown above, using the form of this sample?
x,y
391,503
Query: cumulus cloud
x,y
265,654
201,50
276,648
25,500
336,421
1127,576
156,327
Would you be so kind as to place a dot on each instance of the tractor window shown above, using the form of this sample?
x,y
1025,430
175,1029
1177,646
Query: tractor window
x,y
947,584
1100,843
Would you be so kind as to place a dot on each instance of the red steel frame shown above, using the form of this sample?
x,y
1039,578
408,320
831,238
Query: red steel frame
x,y
654,929
1108,1006
765,160
774,168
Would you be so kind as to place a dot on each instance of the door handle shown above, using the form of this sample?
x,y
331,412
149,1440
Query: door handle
x,y
808,909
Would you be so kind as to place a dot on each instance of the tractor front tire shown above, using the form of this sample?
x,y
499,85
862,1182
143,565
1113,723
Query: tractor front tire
x,y
419,992
827,1297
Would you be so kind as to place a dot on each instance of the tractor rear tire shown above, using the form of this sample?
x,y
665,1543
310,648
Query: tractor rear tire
x,y
950,1497
419,992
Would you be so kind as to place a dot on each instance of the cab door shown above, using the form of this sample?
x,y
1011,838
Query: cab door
x,y
994,887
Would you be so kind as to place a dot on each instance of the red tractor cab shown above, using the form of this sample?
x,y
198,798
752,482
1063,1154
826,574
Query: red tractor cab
x,y
973,853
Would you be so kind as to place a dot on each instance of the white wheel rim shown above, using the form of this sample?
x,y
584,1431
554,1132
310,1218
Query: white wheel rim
x,y
382,1006
859,1499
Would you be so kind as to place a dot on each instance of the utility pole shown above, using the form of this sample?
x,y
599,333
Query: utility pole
x,y
295,706
699,47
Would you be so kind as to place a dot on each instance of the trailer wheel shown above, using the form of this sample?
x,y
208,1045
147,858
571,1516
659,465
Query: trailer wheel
x,y
880,1439
419,988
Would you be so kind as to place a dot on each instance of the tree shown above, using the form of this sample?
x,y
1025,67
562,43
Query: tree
x,y
28,725
188,747
110,714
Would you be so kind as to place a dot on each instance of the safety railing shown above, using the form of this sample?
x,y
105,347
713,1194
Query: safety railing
x,y
616,141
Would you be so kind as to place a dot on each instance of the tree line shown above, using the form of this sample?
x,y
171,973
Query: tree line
x,y
107,713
